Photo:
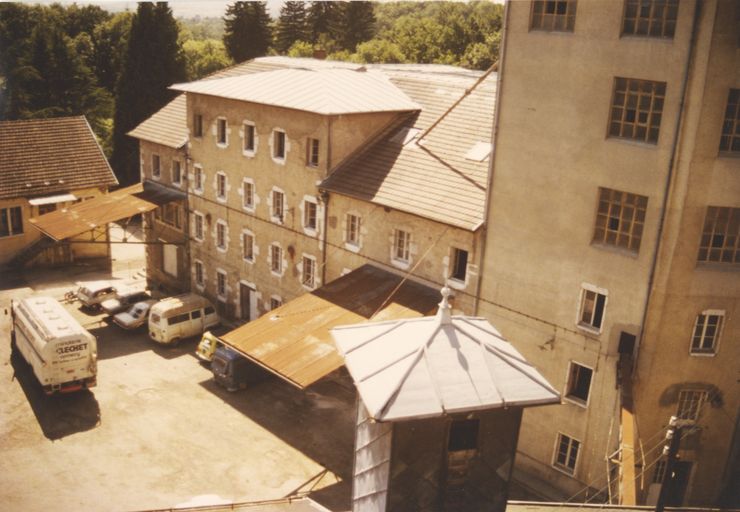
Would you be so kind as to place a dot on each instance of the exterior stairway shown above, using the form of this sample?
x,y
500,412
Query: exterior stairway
x,y
29,252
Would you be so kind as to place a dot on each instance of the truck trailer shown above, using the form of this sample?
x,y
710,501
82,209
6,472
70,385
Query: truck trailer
x,y
61,352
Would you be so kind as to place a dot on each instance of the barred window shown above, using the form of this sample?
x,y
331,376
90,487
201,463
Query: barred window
x,y
620,219
637,108
719,239
566,453
652,18
553,15
730,141
690,403
707,330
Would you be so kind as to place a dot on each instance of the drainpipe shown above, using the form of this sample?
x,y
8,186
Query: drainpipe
x,y
669,176
489,188
324,195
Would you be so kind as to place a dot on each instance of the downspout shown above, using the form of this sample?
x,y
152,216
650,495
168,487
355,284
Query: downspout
x,y
669,178
185,179
494,136
324,195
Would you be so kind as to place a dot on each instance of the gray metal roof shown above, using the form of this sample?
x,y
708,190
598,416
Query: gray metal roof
x,y
322,91
417,368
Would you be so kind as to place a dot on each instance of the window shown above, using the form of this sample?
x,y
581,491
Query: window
x,y
198,178
198,226
309,272
221,186
653,18
156,171
278,144
249,138
199,273
591,313
312,157
11,221
276,259
707,330
275,302
278,206
221,129
221,235
352,235
459,264
169,214
248,246
690,403
221,284
401,245
309,214
463,435
566,453
553,15
176,172
620,219
579,383
248,195
730,141
197,125
719,239
637,107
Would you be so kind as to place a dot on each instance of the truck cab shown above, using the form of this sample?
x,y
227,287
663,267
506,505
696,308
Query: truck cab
x,y
207,347
233,371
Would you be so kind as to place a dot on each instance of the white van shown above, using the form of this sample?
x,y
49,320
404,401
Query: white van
x,y
61,352
175,318
91,294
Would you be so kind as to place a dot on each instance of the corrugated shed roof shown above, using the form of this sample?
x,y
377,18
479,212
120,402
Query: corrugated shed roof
x,y
41,157
434,180
168,126
323,91
425,367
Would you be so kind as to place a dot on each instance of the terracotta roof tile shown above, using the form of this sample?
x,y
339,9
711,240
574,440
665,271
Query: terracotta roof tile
x,y
40,157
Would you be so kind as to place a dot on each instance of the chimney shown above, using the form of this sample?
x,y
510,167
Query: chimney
x,y
319,53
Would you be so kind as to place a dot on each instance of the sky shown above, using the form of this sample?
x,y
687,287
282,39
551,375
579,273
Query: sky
x,y
180,8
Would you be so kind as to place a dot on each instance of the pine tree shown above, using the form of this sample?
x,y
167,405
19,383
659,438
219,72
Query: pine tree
x,y
291,26
320,19
153,61
247,30
354,24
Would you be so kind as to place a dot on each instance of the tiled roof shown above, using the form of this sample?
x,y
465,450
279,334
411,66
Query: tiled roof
x,y
40,157
323,91
434,180
168,126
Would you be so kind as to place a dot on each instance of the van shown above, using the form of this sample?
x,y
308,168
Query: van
x,y
93,293
234,371
182,316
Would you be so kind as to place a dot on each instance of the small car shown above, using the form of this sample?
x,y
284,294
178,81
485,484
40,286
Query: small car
x,y
93,293
135,317
124,300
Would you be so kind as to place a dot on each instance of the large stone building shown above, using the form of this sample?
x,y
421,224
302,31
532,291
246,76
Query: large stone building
x,y
612,238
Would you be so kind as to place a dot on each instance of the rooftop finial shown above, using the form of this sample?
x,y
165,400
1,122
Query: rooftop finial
x,y
444,310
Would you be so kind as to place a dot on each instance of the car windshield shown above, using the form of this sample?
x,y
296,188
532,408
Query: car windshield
x,y
137,312
154,318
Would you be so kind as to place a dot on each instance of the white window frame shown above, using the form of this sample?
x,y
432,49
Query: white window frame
x,y
352,245
248,233
275,218
401,262
568,385
308,285
688,396
588,326
225,246
222,295
286,146
243,135
313,148
201,285
271,260
564,468
199,237
253,204
311,231
158,167
216,134
221,198
178,163
199,178
717,335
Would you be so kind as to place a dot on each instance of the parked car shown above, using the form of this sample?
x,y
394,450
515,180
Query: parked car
x,y
124,299
176,318
234,371
93,293
136,316
207,346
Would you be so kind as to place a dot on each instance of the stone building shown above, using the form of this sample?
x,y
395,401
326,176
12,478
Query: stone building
x,y
612,239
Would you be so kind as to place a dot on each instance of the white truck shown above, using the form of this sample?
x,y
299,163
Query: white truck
x,y
61,352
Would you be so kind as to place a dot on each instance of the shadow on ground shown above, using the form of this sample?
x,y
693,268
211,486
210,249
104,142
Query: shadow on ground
x,y
58,415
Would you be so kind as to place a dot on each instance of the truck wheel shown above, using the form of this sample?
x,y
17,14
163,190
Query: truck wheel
x,y
175,342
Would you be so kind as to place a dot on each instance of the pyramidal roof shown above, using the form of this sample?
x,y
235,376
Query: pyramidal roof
x,y
322,91
438,365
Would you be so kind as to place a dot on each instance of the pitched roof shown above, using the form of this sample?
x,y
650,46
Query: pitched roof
x,y
431,366
168,126
441,178
322,91
48,156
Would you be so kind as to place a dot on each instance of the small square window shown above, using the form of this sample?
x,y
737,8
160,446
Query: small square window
x,y
620,219
276,259
199,273
248,195
176,172
278,144
720,240
690,404
221,131
459,268
650,18
221,284
553,15
402,245
312,158
707,330
637,109
353,230
197,125
156,169
591,313
309,272
249,132
309,215
730,140
566,453
248,246
579,383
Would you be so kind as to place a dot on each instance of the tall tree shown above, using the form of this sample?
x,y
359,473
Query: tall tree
x,y
320,19
109,40
353,24
247,30
291,26
153,61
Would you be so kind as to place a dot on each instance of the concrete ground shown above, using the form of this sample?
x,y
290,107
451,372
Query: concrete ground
x,y
157,432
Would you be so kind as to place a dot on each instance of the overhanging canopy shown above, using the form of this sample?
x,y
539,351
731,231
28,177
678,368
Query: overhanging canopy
x,y
293,341
61,198
99,211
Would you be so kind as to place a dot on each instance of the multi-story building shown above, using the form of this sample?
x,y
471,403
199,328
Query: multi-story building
x,y
612,238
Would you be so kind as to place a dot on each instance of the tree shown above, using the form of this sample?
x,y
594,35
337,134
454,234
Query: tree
x,y
247,30
354,23
204,57
320,19
300,49
379,51
291,26
109,40
153,61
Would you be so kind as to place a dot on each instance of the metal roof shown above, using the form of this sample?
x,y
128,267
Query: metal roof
x,y
99,211
168,126
425,367
322,91
293,341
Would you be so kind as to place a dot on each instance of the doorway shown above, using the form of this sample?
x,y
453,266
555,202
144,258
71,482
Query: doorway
x,y
247,302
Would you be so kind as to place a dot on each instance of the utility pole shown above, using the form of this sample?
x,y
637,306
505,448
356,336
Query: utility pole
x,y
673,435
